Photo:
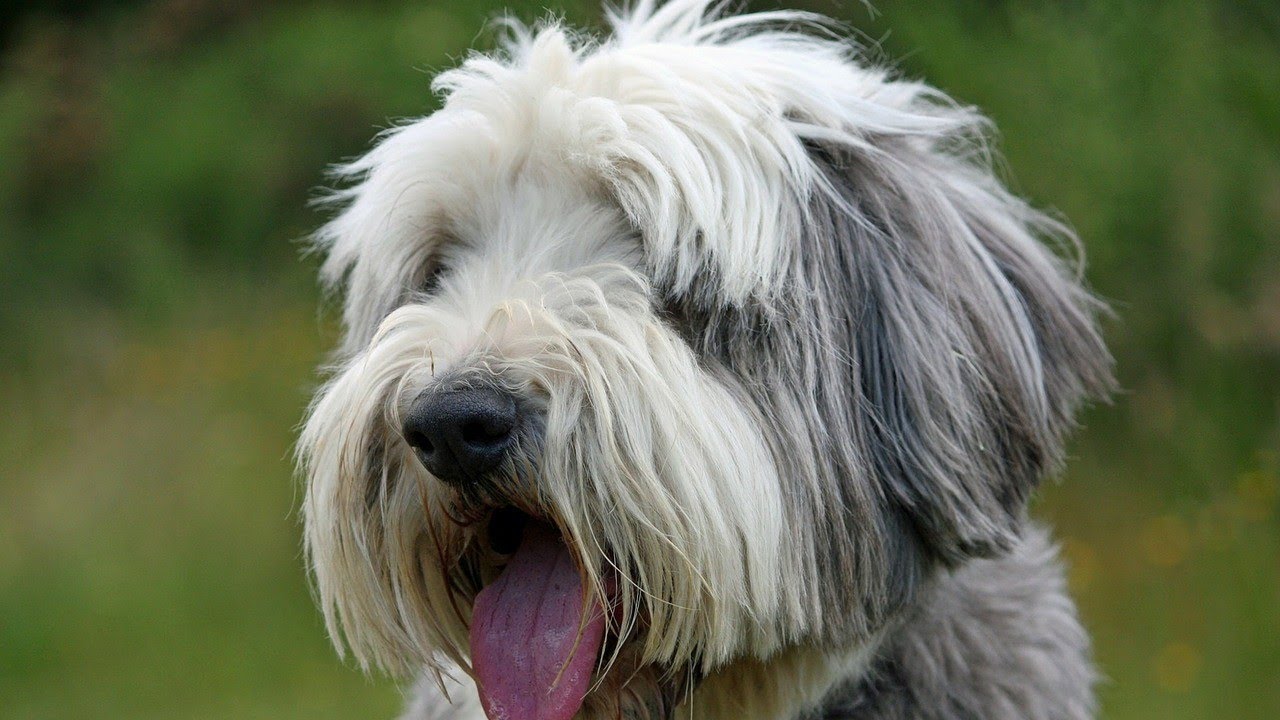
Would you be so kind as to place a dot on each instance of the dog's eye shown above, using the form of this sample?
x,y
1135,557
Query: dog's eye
x,y
430,280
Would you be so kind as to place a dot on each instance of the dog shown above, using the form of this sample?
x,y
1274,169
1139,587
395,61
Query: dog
x,y
699,370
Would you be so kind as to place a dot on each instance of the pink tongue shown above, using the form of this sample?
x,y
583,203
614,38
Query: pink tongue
x,y
531,652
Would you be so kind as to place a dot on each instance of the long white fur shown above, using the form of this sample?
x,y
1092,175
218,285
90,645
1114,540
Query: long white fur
x,y
645,453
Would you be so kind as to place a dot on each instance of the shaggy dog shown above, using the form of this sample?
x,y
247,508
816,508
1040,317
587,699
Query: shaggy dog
x,y
701,370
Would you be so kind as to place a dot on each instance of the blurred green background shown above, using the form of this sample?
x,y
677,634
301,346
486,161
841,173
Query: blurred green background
x,y
158,329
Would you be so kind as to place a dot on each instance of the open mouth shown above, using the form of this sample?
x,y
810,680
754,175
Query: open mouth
x,y
536,630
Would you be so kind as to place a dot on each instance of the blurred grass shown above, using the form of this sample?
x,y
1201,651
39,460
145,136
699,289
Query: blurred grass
x,y
159,330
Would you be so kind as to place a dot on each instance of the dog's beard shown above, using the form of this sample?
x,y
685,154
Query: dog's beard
x,y
647,467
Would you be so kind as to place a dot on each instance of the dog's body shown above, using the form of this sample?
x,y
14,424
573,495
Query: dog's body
x,y
702,372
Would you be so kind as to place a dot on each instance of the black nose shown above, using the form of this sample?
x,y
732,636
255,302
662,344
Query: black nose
x,y
461,435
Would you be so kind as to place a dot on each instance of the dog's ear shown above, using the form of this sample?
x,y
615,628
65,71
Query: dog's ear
x,y
971,343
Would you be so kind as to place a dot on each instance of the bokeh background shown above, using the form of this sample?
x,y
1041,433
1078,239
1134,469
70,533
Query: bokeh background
x,y
159,329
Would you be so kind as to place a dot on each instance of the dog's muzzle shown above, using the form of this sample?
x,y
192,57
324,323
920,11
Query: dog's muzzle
x,y
462,435
537,633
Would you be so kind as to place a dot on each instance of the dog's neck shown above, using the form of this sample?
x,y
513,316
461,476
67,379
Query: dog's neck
x,y
996,639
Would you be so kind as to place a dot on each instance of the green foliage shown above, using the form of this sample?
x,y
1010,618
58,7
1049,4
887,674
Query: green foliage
x,y
159,333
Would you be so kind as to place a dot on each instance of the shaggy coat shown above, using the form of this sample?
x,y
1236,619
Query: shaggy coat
x,y
789,361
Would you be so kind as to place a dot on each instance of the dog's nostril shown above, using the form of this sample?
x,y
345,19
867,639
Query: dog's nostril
x,y
419,442
480,432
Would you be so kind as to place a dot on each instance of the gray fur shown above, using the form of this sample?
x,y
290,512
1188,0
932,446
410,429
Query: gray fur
x,y
928,354
996,640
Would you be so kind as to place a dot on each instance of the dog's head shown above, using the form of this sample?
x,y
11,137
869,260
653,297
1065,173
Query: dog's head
x,y
690,345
